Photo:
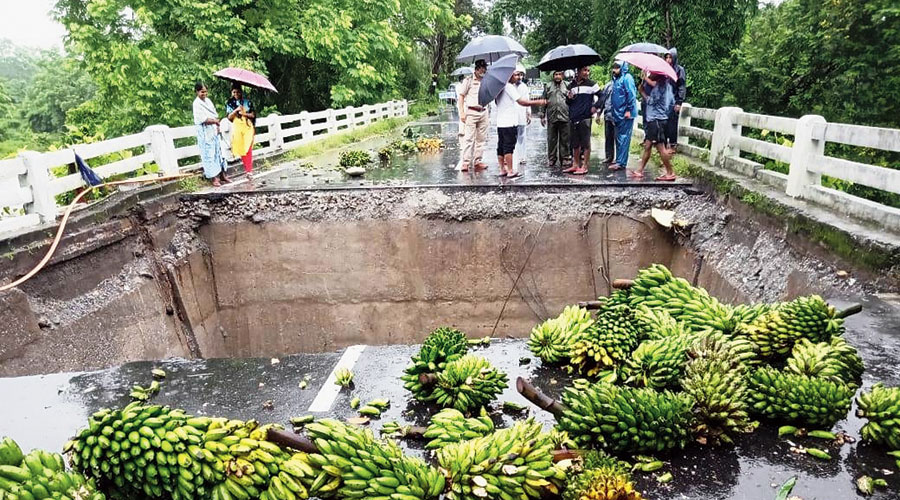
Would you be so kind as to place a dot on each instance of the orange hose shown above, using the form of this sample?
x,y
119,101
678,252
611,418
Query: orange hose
x,y
65,219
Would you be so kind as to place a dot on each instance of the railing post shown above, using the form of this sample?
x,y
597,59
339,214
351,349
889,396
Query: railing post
x,y
350,116
305,126
725,128
804,151
332,121
404,107
42,201
684,121
162,146
277,140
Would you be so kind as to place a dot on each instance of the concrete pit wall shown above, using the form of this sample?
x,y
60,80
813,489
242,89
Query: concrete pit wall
x,y
276,273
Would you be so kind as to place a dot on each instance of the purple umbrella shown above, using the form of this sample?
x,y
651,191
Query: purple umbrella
x,y
245,77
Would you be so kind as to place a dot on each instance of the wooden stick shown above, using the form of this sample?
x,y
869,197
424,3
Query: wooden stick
x,y
427,379
559,455
850,311
291,440
622,284
542,401
591,304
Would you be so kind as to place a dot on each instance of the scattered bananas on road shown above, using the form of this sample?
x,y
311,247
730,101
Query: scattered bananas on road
x,y
625,419
510,463
553,339
343,377
40,475
468,383
798,399
881,407
451,426
442,346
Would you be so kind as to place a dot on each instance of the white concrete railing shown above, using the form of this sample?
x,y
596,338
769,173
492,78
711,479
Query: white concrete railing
x,y
804,155
28,188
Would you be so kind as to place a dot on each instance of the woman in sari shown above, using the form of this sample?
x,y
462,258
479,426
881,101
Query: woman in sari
x,y
207,121
241,112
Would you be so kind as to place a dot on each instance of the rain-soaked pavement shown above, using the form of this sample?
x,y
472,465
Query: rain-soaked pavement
x,y
43,411
440,169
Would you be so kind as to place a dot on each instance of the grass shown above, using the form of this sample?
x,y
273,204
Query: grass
x,y
346,137
190,184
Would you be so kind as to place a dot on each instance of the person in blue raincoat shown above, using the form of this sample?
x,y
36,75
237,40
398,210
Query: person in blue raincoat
x,y
624,110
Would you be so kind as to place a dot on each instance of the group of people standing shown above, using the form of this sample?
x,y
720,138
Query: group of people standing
x,y
572,106
241,114
569,108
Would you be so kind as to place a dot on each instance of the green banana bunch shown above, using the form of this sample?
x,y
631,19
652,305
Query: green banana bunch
x,y
625,419
352,463
603,478
835,360
656,287
442,346
468,383
40,475
657,363
451,426
881,406
511,463
343,377
776,331
793,398
608,342
715,377
744,313
552,340
657,324
156,452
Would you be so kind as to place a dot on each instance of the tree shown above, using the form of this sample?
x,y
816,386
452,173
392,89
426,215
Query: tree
x,y
59,85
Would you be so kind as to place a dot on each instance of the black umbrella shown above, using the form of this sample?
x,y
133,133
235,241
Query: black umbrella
x,y
646,48
496,78
568,57
490,48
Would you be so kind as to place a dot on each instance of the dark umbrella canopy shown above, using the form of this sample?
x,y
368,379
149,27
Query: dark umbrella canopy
x,y
645,47
496,78
490,48
568,57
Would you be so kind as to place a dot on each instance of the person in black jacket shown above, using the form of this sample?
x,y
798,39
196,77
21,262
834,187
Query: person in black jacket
x,y
582,98
679,88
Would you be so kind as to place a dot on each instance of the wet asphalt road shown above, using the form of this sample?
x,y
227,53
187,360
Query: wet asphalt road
x,y
43,411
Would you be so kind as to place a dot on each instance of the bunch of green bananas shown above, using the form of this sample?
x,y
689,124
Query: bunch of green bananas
x,y
352,463
442,346
625,419
836,360
511,463
715,377
468,383
656,287
157,452
552,340
40,475
602,478
657,323
793,398
343,377
451,426
608,342
657,363
881,406
776,331
747,313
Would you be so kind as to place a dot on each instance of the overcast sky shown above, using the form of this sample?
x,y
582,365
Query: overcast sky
x,y
28,22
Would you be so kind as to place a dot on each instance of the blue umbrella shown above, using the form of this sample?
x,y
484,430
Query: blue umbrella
x,y
496,77
490,48
645,47
567,57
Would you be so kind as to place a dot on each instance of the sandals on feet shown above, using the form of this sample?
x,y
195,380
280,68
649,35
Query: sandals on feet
x,y
666,178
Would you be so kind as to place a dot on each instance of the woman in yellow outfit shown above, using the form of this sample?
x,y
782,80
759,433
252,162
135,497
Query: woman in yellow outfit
x,y
241,112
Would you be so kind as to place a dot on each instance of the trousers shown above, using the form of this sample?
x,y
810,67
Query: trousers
x,y
558,142
623,140
609,131
476,134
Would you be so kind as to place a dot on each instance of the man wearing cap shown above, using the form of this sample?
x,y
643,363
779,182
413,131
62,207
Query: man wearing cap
x,y
475,117
524,115
556,118
582,96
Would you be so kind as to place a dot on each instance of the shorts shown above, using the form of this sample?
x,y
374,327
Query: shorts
x,y
581,134
655,131
506,140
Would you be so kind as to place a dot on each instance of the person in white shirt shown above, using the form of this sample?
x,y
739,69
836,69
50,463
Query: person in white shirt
x,y
524,116
508,103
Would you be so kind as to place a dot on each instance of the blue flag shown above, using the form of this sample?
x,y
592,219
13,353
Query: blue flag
x,y
90,177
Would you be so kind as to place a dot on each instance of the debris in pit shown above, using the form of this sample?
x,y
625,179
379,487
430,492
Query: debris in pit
x,y
158,373
666,218
268,405
274,361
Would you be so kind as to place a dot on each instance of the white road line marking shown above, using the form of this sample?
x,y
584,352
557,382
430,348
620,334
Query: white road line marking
x,y
329,391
